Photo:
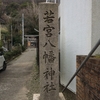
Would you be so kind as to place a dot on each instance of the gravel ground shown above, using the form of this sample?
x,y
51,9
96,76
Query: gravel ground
x,y
33,86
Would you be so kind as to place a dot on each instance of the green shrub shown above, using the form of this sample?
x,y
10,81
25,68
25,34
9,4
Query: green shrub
x,y
97,55
23,48
8,55
11,54
0,43
17,50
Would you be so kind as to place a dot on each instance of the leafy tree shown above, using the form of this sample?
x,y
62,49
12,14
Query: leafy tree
x,y
2,10
31,17
23,5
11,12
17,39
17,1
12,9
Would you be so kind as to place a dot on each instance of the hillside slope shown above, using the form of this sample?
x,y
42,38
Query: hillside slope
x,y
17,1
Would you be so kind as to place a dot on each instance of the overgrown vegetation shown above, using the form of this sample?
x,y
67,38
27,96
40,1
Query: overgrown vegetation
x,y
30,11
15,52
97,55
11,16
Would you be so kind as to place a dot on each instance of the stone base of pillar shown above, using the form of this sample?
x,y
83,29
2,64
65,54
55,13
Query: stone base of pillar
x,y
36,96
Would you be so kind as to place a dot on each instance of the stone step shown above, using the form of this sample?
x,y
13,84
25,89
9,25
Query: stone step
x,y
36,96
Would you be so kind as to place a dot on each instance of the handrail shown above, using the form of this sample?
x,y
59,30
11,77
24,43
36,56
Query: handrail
x,y
83,63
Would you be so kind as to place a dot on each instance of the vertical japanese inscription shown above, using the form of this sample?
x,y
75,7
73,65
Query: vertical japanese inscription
x,y
48,35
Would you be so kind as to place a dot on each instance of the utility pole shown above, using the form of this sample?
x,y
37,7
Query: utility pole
x,y
11,38
22,29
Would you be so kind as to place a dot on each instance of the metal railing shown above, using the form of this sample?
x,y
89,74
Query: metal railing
x,y
83,63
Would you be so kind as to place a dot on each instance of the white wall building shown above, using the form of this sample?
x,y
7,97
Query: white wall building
x,y
79,31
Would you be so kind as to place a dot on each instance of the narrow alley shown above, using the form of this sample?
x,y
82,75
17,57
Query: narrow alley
x,y
13,81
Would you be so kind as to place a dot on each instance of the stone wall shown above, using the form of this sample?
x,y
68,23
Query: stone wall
x,y
88,79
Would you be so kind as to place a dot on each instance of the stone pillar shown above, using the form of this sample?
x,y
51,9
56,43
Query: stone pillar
x,y
48,52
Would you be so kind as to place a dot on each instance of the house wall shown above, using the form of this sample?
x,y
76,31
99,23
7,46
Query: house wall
x,y
75,36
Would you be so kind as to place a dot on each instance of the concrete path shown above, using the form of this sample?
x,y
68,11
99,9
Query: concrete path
x,y
13,81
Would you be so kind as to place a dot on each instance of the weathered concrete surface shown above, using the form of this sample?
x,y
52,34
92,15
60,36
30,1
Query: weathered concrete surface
x,y
13,82
37,96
